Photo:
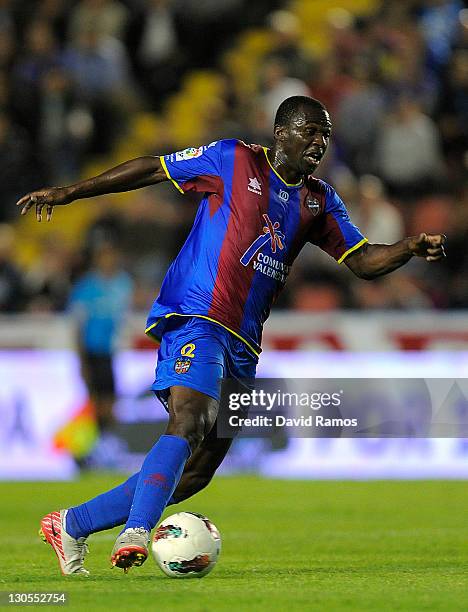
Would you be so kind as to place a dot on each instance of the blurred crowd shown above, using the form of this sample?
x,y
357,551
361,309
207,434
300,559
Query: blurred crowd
x,y
73,74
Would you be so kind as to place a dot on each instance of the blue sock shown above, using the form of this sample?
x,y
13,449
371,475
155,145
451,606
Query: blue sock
x,y
102,512
159,475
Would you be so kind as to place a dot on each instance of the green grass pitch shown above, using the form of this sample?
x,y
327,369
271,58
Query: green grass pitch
x,y
287,545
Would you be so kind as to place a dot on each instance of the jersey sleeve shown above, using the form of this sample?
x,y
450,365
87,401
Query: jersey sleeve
x,y
335,233
196,168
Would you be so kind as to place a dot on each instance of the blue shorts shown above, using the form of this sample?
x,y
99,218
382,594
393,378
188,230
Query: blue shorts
x,y
196,353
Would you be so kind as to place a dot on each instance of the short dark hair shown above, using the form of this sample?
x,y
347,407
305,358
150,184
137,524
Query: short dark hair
x,y
289,107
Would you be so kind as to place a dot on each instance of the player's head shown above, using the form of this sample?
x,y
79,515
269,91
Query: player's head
x,y
106,259
302,131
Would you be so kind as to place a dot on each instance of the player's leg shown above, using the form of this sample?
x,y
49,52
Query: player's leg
x,y
191,414
113,507
201,368
240,364
191,417
67,530
70,551
190,366
201,467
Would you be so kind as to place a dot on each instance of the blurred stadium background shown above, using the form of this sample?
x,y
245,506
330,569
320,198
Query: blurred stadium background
x,y
87,84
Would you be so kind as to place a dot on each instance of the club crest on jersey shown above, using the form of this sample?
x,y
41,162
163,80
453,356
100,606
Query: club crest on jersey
x,y
254,186
313,205
271,234
182,366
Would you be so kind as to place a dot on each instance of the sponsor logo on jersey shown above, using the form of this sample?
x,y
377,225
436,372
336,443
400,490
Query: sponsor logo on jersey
x,y
271,234
254,186
283,195
182,365
262,262
269,266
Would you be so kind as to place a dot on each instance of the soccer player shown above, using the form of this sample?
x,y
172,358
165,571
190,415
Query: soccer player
x,y
260,207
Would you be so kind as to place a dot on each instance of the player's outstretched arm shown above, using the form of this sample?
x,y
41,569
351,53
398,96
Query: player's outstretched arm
x,y
373,260
132,174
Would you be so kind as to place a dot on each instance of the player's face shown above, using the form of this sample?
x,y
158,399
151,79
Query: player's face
x,y
306,139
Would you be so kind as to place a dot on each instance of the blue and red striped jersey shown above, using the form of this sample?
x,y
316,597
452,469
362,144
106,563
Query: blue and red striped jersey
x,y
249,228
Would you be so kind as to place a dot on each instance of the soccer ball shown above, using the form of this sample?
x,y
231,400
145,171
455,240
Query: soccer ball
x,y
186,545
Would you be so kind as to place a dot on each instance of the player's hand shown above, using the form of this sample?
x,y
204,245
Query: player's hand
x,y
48,198
430,246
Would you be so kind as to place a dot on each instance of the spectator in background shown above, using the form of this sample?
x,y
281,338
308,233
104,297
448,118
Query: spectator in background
x,y
99,69
405,292
462,38
108,17
379,220
343,35
219,121
158,57
286,30
403,67
6,20
60,137
329,84
439,22
277,85
12,295
409,156
209,24
357,120
456,264
107,227
55,12
39,56
317,296
97,64
453,112
5,92
19,166
48,281
7,47
99,302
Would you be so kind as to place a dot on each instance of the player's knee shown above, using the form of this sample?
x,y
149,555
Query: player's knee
x,y
189,419
190,484
190,428
194,435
